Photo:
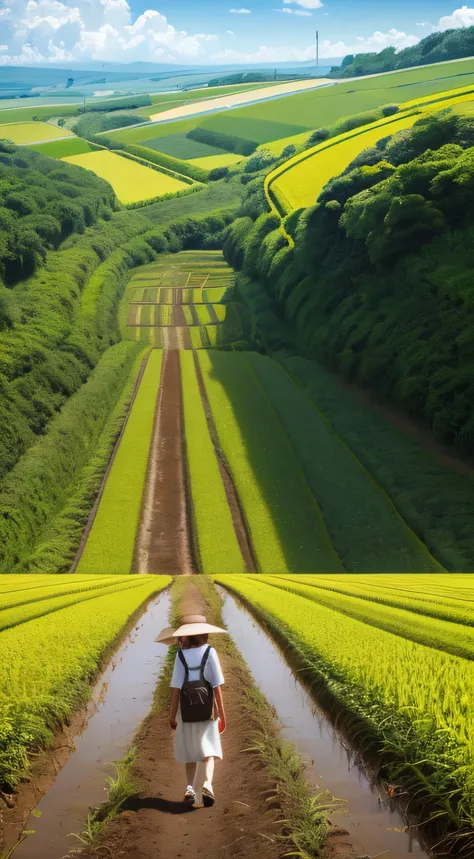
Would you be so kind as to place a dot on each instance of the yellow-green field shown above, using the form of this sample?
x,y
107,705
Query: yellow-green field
x,y
32,132
131,181
301,185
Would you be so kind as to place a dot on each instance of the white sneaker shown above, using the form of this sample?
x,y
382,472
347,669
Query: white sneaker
x,y
189,796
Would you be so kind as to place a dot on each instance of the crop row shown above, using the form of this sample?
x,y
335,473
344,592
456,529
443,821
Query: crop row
x,y
447,597
217,541
366,530
55,657
16,595
441,634
110,546
410,703
285,523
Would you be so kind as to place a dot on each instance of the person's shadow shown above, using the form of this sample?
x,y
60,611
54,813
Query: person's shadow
x,y
167,806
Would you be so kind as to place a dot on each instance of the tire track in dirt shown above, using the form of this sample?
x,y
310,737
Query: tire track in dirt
x,y
164,543
238,516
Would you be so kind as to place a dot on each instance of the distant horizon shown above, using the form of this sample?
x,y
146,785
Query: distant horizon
x,y
59,33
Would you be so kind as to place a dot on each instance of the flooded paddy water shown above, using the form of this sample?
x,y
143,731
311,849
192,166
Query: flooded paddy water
x,y
121,699
375,825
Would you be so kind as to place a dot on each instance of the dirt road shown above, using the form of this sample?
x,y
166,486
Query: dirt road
x,y
157,824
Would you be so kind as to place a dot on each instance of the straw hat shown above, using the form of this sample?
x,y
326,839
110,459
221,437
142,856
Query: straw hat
x,y
195,624
166,636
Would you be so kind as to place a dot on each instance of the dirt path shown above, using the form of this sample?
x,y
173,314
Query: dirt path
x,y
164,541
238,517
157,824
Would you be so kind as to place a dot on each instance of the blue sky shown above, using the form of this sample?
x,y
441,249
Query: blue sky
x,y
214,31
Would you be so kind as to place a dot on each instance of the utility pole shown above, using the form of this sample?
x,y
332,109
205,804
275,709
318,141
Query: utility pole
x,y
317,49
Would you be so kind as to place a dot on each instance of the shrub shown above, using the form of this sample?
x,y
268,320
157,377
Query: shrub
x,y
174,165
218,173
390,109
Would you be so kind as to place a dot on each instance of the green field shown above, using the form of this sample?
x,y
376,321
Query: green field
x,y
32,132
110,547
131,181
65,148
409,702
59,628
179,146
210,162
218,547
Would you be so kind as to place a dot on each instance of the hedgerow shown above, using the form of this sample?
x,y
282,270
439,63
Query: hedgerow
x,y
222,141
177,167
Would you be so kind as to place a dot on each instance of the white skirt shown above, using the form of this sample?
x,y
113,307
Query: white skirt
x,y
197,740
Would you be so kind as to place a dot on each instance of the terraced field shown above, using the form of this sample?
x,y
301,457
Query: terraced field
x,y
176,302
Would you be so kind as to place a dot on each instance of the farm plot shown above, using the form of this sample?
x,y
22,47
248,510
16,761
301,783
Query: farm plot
x,y
58,649
131,181
366,530
301,181
65,148
176,302
110,545
413,700
285,523
218,547
31,132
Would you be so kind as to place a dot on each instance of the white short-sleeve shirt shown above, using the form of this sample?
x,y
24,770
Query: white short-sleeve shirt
x,y
212,670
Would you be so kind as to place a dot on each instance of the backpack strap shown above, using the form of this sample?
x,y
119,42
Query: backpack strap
x,y
183,662
204,662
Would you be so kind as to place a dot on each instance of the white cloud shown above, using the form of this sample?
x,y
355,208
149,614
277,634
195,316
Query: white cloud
x,y
422,24
294,12
35,31
230,32
240,11
463,17
365,45
306,4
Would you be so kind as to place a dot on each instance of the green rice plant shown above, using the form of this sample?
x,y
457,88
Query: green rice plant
x,y
218,546
24,612
110,546
441,634
365,528
410,704
46,666
285,523
432,599
433,499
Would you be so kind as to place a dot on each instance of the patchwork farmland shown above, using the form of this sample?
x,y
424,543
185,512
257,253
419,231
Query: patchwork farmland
x,y
176,430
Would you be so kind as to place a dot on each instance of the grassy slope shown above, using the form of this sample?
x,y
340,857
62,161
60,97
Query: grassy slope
x,y
111,543
65,148
217,196
285,524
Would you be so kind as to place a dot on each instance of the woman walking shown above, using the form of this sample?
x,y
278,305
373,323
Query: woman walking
x,y
196,701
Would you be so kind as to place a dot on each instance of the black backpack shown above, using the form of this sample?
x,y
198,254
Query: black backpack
x,y
197,696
